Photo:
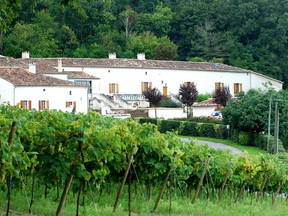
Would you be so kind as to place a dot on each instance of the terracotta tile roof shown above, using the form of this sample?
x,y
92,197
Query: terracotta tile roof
x,y
74,74
133,63
79,75
50,64
206,103
21,77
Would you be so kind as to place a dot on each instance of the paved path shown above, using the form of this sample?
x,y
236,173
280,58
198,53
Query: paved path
x,y
214,145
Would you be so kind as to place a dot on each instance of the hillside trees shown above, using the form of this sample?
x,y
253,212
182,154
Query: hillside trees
x,y
240,33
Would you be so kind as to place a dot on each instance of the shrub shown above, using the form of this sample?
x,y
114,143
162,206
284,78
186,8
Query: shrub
x,y
189,129
244,138
169,125
235,136
221,131
148,120
200,119
207,130
166,102
203,97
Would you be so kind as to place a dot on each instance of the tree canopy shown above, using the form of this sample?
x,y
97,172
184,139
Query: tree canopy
x,y
249,34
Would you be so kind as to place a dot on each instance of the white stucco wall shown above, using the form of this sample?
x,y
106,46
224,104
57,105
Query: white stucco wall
x,y
167,113
129,79
6,92
203,111
258,81
57,97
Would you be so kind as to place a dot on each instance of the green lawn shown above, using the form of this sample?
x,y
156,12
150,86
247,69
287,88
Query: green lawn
x,y
102,205
249,149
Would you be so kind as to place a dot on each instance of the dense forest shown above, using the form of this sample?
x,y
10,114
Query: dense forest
x,y
250,34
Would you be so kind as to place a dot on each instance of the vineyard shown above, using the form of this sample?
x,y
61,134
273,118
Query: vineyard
x,y
87,153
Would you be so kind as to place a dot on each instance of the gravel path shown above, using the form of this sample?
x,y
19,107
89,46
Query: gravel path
x,y
214,145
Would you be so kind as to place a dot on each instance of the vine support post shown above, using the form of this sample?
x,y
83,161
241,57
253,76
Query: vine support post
x,y
201,179
9,177
124,180
162,189
69,180
32,193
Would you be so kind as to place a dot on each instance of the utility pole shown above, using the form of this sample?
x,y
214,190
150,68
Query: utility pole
x,y
269,123
276,130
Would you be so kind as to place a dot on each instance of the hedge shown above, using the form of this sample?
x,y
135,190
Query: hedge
x,y
191,128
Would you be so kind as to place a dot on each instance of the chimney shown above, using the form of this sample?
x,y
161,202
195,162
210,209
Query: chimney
x,y
112,56
25,55
141,56
32,67
60,68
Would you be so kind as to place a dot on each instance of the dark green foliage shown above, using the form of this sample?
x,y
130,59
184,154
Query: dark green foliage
x,y
245,138
189,129
221,131
169,125
238,33
166,102
207,130
203,97
200,120
148,120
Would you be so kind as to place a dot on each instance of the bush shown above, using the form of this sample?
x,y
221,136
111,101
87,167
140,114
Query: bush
x,y
169,125
189,129
221,131
203,97
207,130
166,102
200,120
245,138
148,120
235,136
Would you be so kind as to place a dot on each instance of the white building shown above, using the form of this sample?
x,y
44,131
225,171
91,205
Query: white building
x,y
119,83
35,91
132,76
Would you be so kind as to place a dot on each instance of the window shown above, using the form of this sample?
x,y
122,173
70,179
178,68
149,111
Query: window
x,y
219,85
86,83
43,104
25,104
113,88
237,88
71,106
145,86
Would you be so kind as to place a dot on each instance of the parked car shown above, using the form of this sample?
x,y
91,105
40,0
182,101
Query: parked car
x,y
216,115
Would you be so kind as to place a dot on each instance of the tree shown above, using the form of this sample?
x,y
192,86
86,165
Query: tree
x,y
221,96
187,95
128,18
154,96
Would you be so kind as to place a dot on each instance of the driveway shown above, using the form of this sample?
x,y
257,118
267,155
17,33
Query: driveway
x,y
214,145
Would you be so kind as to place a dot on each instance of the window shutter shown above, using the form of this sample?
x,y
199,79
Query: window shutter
x,y
241,87
110,88
30,104
222,85
47,105
142,86
39,105
74,105
165,91
235,88
117,88
150,85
